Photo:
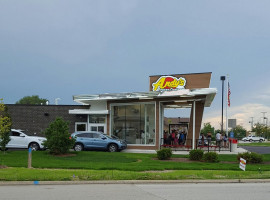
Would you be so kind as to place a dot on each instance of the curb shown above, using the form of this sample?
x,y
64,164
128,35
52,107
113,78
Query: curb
x,y
20,183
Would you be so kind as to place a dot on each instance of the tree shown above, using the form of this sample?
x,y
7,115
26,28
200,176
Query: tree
x,y
261,130
58,137
5,126
207,128
32,100
239,131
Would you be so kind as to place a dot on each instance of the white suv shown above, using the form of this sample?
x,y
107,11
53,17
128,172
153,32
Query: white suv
x,y
18,139
253,138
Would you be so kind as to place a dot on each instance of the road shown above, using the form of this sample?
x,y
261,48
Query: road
x,y
260,150
186,191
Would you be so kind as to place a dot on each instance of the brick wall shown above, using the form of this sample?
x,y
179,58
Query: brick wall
x,y
36,118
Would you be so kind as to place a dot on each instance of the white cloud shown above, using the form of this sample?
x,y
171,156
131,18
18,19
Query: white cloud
x,y
243,115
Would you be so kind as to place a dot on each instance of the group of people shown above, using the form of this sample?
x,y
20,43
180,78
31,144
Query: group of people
x,y
174,138
221,139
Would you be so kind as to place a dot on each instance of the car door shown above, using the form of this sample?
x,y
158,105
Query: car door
x,y
17,140
99,141
85,139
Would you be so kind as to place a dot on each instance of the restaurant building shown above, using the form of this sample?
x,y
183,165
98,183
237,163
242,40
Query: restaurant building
x,y
138,117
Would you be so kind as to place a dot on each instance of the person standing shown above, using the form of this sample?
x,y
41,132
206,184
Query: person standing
x,y
225,140
165,138
209,138
218,139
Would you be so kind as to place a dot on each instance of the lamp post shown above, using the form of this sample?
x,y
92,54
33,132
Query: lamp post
x,y
251,122
264,116
266,121
222,78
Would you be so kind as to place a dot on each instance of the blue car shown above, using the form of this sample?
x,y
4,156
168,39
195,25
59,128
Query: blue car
x,y
97,141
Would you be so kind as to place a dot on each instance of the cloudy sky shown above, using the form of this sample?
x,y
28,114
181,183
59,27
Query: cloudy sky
x,y
59,48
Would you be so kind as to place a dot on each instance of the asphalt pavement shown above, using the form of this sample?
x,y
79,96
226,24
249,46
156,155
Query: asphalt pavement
x,y
259,150
172,191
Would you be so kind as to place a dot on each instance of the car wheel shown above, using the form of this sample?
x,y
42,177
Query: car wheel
x,y
34,146
78,147
112,148
261,140
250,140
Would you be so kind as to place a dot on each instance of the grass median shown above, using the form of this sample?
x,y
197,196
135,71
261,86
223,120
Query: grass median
x,y
91,165
255,144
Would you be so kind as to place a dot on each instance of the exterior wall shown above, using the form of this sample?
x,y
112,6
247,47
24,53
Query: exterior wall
x,y
198,120
193,81
97,106
36,118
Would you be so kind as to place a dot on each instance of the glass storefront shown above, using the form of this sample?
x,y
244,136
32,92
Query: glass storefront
x,y
134,123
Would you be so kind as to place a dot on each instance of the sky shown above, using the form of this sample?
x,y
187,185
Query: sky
x,y
60,48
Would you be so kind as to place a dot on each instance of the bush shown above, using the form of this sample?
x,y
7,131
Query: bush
x,y
196,154
211,157
250,157
5,126
58,137
164,154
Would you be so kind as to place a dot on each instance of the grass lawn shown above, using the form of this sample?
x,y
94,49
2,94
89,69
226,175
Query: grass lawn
x,y
90,165
255,144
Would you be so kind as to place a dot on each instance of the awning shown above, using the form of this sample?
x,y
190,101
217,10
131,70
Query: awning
x,y
88,112
191,93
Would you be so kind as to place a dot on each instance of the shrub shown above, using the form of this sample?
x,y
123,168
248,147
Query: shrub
x,y
58,137
164,154
250,157
211,157
196,154
5,126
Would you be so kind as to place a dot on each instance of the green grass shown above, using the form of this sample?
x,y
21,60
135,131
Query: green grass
x,y
24,174
90,165
255,144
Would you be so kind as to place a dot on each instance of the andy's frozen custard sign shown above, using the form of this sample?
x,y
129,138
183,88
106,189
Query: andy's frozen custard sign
x,y
169,83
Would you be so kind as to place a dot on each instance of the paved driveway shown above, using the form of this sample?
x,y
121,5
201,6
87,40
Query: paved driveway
x,y
260,150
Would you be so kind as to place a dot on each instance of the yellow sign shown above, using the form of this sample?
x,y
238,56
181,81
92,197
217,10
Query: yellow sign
x,y
169,83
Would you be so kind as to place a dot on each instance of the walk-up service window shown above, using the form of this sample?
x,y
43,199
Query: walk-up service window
x,y
134,123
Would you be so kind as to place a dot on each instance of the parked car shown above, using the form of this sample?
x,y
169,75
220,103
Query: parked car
x,y
20,140
98,141
252,138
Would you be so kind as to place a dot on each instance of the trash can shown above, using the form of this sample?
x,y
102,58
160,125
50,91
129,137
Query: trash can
x,y
233,143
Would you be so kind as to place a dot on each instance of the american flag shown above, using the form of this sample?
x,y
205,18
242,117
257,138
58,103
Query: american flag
x,y
229,94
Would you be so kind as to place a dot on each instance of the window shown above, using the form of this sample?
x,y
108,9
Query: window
x,y
80,126
87,135
97,119
134,123
95,135
15,134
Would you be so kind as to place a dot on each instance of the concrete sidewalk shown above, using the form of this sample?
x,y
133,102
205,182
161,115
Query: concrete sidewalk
x,y
182,152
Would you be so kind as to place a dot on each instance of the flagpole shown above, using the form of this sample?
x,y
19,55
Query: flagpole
x,y
227,105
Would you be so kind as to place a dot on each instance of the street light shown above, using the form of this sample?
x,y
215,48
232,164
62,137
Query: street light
x,y
251,122
222,78
263,116
266,121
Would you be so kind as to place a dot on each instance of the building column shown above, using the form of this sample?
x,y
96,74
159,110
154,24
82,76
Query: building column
x,y
193,123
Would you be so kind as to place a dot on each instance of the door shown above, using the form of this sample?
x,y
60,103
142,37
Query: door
x,y
99,141
17,140
97,127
